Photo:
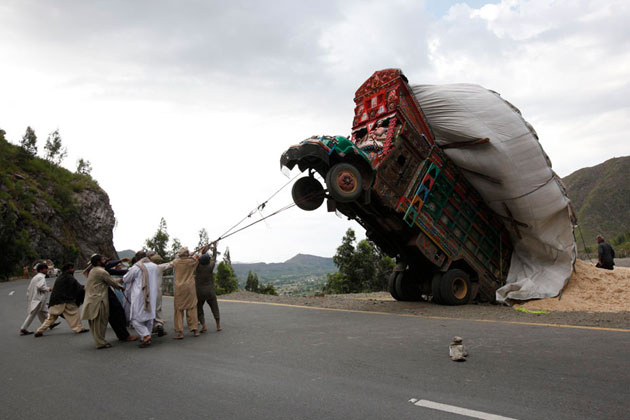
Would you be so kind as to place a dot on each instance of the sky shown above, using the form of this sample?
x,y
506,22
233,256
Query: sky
x,y
184,107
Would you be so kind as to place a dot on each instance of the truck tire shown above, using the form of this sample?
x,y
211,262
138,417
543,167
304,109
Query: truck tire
x,y
435,287
391,285
406,288
308,193
455,287
344,182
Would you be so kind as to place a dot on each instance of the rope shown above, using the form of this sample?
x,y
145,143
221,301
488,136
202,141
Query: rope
x,y
231,230
583,243
287,207
257,208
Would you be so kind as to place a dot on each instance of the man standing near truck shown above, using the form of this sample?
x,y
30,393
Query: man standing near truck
x,y
605,254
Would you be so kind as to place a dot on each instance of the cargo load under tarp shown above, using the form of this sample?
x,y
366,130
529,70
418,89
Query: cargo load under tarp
x,y
501,157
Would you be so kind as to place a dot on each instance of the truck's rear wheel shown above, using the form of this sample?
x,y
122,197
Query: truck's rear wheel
x,y
455,287
308,193
406,288
391,285
344,182
435,287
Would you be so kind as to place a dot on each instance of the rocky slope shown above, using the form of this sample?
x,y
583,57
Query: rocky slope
x,y
49,212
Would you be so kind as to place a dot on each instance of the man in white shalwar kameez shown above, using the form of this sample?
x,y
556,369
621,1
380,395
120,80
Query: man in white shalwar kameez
x,y
141,288
37,299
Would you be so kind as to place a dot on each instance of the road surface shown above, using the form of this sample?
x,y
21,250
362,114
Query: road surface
x,y
283,362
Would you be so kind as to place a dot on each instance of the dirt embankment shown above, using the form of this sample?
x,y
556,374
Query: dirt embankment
x,y
593,297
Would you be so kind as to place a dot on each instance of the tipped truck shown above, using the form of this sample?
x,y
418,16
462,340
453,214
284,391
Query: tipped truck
x,y
415,204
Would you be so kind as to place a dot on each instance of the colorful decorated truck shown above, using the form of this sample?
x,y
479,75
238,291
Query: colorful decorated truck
x,y
414,203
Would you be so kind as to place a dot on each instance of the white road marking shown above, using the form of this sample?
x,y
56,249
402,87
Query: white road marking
x,y
457,410
11,292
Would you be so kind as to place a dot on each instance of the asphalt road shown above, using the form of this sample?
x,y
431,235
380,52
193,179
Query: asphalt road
x,y
280,362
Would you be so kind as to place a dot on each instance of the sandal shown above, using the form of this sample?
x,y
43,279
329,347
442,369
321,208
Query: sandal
x,y
25,332
178,336
104,346
145,344
196,333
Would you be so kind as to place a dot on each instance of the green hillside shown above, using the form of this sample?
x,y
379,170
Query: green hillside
x,y
601,199
49,212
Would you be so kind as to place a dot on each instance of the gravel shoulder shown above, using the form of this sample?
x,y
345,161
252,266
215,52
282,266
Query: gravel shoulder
x,y
383,302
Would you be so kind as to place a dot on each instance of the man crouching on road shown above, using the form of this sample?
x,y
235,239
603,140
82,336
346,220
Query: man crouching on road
x,y
96,305
63,302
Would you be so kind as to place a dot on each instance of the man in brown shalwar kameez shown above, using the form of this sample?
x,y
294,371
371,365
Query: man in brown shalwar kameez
x,y
185,294
96,303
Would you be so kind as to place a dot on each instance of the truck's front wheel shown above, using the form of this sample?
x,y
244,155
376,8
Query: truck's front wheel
x,y
308,193
344,182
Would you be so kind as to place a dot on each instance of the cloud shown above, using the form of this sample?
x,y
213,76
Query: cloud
x,y
184,107
564,64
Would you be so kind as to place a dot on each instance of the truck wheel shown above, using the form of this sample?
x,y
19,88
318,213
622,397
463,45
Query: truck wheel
x,y
406,288
455,288
308,193
391,285
344,182
435,287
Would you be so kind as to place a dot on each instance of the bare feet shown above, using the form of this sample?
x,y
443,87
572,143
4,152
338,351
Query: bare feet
x,y
196,333
104,346
204,328
219,326
179,336
132,338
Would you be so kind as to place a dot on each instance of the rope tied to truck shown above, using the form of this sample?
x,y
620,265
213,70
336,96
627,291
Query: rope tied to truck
x,y
257,209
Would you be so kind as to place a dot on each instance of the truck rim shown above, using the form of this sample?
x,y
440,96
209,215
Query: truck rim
x,y
347,182
460,288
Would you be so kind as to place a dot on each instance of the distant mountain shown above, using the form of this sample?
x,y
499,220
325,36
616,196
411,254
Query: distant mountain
x,y
301,274
601,199
127,253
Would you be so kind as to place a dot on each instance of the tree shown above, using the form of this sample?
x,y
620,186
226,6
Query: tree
x,y
226,280
55,151
159,241
267,289
227,258
84,167
252,282
176,245
203,238
363,268
29,141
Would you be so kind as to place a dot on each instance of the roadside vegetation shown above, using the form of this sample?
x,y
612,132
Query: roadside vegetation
x,y
362,267
28,183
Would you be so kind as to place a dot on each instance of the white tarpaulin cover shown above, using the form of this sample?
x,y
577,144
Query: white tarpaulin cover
x,y
514,176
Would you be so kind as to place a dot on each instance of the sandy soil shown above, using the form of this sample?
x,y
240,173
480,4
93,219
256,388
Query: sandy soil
x,y
383,302
590,289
